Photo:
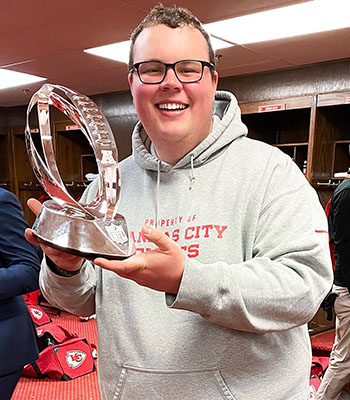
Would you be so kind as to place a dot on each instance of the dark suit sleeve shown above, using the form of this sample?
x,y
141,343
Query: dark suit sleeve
x,y
341,234
19,260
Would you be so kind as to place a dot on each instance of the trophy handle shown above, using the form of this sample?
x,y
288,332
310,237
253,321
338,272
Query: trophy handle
x,y
87,115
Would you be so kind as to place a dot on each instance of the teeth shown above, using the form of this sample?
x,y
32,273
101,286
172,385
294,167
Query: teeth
x,y
172,106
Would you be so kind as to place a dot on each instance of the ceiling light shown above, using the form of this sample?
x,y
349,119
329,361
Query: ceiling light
x,y
218,44
10,78
120,51
299,19
116,51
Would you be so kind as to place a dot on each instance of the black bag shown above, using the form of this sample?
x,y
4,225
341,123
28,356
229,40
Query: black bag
x,y
328,304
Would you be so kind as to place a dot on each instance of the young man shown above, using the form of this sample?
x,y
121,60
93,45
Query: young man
x,y
19,274
232,242
338,373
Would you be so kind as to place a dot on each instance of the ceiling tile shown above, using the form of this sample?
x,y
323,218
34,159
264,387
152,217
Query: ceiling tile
x,y
253,68
208,11
72,63
47,38
306,49
239,55
18,16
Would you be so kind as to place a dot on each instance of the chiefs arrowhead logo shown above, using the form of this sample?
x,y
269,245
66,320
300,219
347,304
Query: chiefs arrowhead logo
x,y
75,358
36,313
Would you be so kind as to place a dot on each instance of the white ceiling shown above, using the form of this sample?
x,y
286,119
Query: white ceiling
x,y
47,38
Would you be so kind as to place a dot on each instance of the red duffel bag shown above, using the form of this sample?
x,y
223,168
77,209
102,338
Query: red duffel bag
x,y
65,361
50,333
38,315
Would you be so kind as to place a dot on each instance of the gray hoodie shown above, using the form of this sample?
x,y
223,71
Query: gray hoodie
x,y
257,268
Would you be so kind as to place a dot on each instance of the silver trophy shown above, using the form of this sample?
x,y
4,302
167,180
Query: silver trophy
x,y
88,230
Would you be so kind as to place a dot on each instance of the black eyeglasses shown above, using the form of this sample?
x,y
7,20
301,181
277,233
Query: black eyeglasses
x,y
186,71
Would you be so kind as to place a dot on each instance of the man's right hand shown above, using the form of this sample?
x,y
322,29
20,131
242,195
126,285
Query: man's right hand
x,y
65,261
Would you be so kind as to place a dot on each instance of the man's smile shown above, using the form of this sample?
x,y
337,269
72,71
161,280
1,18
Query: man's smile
x,y
172,106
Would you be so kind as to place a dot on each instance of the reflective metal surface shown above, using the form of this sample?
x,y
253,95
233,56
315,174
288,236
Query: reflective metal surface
x,y
90,230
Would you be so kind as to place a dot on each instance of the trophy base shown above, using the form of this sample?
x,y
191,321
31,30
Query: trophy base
x,y
87,238
75,252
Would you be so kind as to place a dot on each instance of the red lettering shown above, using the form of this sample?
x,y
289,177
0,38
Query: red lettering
x,y
191,218
188,232
140,238
176,234
220,230
193,250
206,229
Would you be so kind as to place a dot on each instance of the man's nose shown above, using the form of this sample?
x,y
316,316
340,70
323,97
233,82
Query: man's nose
x,y
170,79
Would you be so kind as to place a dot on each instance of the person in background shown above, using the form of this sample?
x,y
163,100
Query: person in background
x,y
232,246
19,274
338,373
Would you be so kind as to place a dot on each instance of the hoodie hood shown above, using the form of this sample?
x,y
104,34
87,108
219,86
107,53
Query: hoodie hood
x,y
227,126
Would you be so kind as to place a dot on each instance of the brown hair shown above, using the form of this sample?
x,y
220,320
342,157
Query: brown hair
x,y
173,18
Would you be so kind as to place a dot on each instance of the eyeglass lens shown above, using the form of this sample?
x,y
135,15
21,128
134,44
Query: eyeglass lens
x,y
186,71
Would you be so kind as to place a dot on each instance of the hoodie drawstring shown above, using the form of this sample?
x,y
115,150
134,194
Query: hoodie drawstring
x,y
193,178
158,190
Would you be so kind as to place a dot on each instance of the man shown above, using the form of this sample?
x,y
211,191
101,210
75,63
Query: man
x,y
338,372
19,274
232,257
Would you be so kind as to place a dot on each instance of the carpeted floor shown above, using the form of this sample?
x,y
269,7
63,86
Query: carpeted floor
x,y
322,343
83,388
86,387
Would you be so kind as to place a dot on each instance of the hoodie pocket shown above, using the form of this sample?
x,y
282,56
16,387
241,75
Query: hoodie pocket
x,y
202,384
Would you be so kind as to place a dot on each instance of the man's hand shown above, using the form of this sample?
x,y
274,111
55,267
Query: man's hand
x,y
63,260
159,269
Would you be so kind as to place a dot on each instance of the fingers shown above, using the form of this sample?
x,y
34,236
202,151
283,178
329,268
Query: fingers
x,y
60,258
34,205
159,269
30,236
162,241
125,267
139,262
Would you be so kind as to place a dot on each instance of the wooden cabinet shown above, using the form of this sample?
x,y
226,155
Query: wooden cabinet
x,y
331,145
6,180
74,156
313,130
25,182
332,136
285,123
73,153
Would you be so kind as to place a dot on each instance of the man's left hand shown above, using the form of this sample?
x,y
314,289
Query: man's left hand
x,y
159,269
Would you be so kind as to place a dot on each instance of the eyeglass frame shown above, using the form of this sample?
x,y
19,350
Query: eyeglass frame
x,y
136,66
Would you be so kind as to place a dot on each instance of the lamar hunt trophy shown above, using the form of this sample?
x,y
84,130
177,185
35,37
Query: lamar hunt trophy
x,y
88,230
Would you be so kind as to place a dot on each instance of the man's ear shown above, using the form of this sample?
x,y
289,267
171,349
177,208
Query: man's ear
x,y
215,79
130,80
